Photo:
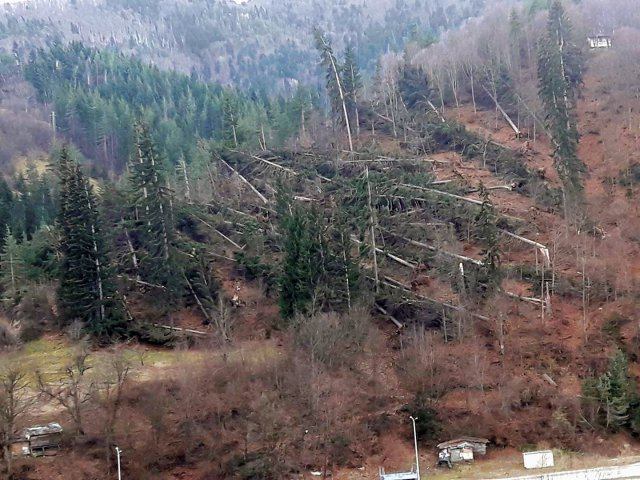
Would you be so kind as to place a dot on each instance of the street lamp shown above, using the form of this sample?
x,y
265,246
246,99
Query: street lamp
x,y
118,452
415,443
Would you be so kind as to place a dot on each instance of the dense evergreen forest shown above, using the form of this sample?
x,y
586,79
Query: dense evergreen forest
x,y
97,96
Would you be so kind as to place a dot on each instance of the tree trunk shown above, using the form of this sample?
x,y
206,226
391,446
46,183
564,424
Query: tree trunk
x,y
334,68
373,231
98,265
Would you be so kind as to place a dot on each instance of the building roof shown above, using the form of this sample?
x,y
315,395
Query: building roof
x,y
40,430
461,440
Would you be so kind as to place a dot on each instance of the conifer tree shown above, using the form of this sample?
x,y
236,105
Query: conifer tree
x,y
490,274
87,287
151,205
301,264
560,75
230,111
335,82
612,391
352,85
413,85
6,207
12,271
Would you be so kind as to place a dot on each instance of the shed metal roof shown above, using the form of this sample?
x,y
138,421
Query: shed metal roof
x,y
461,440
40,430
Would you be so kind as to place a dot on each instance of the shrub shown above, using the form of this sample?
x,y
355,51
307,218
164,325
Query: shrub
x,y
427,423
34,312
8,336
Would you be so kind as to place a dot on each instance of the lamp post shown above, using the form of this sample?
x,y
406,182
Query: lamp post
x,y
118,452
415,443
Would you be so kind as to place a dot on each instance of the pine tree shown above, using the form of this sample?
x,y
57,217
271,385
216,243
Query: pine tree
x,y
87,287
560,75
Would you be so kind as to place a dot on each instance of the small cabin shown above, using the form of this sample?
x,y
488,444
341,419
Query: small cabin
x,y
462,449
38,441
599,41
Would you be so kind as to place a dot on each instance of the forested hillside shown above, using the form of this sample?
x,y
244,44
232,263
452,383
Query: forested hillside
x,y
256,45
238,250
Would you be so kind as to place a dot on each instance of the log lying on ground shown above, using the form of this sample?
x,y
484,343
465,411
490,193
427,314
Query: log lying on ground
x,y
220,233
142,282
509,187
535,301
536,119
434,249
543,249
457,197
504,114
395,258
387,159
436,111
390,317
387,119
395,284
440,192
254,189
181,330
268,162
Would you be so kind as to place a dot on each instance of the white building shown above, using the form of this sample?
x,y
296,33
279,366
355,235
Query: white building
x,y
600,41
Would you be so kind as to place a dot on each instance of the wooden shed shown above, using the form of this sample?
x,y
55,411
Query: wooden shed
x,y
462,449
38,440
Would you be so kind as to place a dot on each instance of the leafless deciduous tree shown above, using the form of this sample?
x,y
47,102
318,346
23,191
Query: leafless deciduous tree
x,y
15,402
223,319
112,387
73,390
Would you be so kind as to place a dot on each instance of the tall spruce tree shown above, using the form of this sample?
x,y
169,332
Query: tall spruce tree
x,y
413,85
87,288
319,271
151,209
489,275
560,75
335,82
352,84
6,207
301,267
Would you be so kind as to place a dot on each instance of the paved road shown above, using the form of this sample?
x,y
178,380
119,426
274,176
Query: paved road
x,y
606,473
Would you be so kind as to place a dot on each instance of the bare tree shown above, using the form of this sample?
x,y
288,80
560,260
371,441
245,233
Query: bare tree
x,y
223,319
112,389
74,389
15,402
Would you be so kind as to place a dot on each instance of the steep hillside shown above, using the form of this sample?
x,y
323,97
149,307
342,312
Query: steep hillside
x,y
256,44
240,285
